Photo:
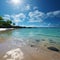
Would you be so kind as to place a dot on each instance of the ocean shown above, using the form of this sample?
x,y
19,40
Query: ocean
x,y
52,35
25,38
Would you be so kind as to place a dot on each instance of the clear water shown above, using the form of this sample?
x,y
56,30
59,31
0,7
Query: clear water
x,y
47,36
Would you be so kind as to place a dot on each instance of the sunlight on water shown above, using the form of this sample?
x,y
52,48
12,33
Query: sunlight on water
x,y
25,39
15,54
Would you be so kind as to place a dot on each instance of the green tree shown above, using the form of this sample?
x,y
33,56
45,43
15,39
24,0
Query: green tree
x,y
13,23
1,18
1,21
8,23
4,23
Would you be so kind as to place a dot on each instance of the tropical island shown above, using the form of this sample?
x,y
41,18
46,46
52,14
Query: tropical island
x,y
9,24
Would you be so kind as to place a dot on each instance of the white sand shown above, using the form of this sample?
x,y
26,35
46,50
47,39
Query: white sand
x,y
4,29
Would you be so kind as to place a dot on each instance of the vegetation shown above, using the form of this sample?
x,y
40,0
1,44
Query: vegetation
x,y
1,18
7,23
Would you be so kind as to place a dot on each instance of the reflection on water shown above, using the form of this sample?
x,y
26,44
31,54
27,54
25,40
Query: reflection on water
x,y
13,39
15,54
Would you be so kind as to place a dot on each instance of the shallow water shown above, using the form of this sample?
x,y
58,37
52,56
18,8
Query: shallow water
x,y
35,37
33,33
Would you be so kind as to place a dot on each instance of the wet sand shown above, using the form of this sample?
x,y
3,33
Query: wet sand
x,y
18,50
40,54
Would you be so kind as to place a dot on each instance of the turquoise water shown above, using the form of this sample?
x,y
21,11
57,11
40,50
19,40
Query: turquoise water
x,y
49,36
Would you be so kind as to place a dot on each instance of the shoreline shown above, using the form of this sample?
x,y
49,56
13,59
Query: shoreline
x,y
5,29
22,48
26,52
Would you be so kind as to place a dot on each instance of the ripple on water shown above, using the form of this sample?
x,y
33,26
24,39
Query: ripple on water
x,y
52,41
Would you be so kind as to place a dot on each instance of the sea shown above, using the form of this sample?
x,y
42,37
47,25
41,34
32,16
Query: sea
x,y
12,41
47,36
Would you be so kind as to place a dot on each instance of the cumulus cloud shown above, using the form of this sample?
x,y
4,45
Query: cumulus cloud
x,y
6,17
34,20
19,17
36,16
25,8
54,14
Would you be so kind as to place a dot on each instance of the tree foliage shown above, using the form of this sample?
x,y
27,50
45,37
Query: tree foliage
x,y
1,18
6,23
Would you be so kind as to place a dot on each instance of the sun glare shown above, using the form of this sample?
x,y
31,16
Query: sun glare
x,y
16,2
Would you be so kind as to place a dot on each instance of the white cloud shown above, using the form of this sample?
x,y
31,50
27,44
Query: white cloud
x,y
25,8
34,20
18,17
15,18
50,14
36,16
56,13
53,14
36,13
6,17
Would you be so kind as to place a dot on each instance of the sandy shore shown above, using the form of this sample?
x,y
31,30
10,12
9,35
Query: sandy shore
x,y
40,54
14,48
26,52
4,29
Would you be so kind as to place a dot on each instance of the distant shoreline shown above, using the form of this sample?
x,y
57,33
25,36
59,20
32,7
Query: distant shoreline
x,y
17,27
27,27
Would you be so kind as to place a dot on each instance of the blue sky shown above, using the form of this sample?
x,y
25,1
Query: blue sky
x,y
39,13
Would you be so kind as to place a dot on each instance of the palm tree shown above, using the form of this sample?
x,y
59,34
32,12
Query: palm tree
x,y
1,18
13,24
1,21
7,23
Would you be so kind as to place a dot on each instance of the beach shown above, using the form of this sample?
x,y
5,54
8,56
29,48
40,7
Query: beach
x,y
4,29
14,45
